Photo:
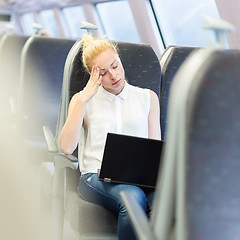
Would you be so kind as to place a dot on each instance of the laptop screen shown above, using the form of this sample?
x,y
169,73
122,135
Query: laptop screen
x,y
131,160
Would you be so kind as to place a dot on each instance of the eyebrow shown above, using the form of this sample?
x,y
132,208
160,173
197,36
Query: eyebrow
x,y
113,62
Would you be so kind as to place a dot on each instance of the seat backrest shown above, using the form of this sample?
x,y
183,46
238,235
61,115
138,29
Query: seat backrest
x,y
170,61
141,66
212,148
42,64
197,180
10,53
201,158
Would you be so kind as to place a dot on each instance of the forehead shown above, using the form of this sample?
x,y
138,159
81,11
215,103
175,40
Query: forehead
x,y
105,59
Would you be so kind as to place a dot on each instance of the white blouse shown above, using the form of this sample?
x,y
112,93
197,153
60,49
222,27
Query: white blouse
x,y
126,113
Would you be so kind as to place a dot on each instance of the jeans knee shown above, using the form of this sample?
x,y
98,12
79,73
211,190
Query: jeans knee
x,y
139,196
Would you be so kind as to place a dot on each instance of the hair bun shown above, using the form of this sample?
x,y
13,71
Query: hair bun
x,y
88,39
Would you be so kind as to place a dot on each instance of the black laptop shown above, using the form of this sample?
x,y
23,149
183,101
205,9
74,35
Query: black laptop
x,y
131,160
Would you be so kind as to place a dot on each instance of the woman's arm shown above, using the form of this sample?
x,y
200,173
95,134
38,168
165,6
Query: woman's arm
x,y
154,130
70,133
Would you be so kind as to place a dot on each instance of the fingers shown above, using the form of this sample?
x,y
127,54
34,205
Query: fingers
x,y
99,80
96,78
95,73
93,83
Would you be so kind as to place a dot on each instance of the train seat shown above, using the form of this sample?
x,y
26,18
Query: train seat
x,y
142,69
197,182
211,160
42,63
11,46
170,61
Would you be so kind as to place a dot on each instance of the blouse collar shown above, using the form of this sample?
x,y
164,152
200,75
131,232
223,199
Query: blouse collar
x,y
109,96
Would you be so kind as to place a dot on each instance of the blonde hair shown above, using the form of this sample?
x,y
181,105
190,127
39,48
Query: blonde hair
x,y
92,47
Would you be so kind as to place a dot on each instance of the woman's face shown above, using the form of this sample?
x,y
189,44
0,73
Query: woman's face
x,y
111,70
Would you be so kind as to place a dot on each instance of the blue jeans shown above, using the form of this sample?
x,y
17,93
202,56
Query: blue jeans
x,y
108,195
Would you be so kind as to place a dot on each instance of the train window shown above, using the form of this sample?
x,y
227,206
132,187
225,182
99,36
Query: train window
x,y
73,16
180,21
27,19
49,22
117,21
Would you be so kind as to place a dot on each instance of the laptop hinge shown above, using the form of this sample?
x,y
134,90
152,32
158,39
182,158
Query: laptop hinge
x,y
107,179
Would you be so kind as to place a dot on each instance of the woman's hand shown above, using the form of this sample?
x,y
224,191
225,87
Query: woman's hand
x,y
93,84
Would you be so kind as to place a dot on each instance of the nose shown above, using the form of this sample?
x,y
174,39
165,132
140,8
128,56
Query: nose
x,y
112,74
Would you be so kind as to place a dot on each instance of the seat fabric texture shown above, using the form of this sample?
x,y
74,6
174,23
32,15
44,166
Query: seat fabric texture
x,y
176,55
213,155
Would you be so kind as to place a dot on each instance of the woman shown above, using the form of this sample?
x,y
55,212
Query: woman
x,y
108,104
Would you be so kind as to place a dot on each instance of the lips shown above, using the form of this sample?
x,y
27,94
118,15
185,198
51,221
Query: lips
x,y
116,82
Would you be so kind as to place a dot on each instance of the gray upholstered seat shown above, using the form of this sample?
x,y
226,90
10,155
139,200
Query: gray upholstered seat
x,y
11,46
142,69
39,92
41,80
212,149
170,61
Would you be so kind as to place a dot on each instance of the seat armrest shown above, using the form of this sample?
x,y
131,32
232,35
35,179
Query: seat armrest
x,y
138,217
62,160
50,139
